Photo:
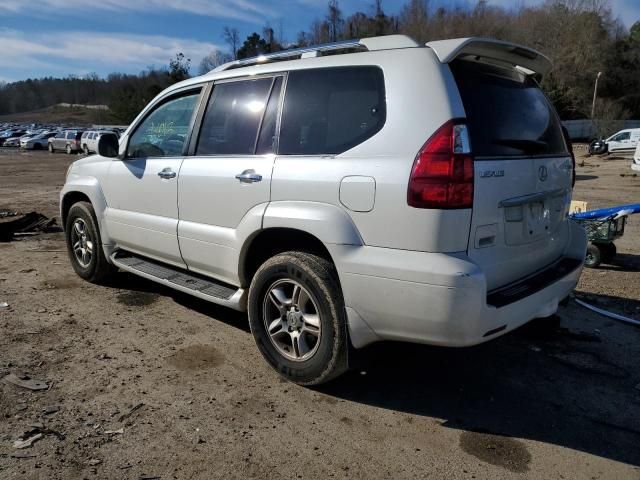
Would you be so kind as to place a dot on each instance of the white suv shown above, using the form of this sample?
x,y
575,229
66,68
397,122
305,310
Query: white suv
x,y
387,191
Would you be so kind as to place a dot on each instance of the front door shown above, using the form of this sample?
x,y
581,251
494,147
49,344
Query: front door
x,y
226,182
142,189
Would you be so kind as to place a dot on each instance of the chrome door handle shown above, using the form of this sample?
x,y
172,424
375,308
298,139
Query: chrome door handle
x,y
167,173
249,176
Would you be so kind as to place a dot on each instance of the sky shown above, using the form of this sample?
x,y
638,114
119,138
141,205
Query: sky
x,y
77,37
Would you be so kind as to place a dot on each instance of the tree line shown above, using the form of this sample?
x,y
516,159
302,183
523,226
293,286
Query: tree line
x,y
581,37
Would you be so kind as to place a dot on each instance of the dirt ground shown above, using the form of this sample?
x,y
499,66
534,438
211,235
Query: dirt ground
x,y
148,383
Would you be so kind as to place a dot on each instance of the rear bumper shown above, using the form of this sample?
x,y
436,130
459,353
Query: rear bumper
x,y
442,299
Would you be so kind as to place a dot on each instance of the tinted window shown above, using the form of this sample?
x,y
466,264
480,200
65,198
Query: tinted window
x,y
232,119
70,135
329,111
163,133
507,113
623,136
266,140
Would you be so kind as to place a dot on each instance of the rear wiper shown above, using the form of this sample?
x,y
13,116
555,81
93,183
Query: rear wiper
x,y
527,146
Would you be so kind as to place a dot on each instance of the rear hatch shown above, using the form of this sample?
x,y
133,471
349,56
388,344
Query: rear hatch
x,y
522,171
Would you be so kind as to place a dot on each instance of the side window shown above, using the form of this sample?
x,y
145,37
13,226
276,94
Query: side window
x,y
329,111
232,119
70,135
60,135
164,131
624,136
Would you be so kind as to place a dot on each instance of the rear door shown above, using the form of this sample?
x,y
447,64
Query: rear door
x,y
522,172
229,173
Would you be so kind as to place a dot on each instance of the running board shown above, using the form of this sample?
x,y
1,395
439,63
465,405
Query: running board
x,y
179,279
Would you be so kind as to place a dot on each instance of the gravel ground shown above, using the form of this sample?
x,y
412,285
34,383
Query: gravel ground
x,y
144,382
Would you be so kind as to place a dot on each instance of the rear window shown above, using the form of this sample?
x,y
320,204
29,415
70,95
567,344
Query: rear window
x,y
328,111
507,113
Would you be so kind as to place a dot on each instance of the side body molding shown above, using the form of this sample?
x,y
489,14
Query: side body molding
x,y
329,223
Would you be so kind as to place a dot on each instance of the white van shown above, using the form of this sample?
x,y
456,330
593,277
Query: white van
x,y
625,141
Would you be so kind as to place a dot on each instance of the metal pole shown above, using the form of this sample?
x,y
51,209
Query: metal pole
x,y
595,94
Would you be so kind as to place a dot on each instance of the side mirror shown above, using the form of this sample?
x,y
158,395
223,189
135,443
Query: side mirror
x,y
108,145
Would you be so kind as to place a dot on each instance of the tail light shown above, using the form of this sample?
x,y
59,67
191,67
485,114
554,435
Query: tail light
x,y
442,174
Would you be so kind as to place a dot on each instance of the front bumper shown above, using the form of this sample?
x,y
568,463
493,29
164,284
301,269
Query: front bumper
x,y
440,299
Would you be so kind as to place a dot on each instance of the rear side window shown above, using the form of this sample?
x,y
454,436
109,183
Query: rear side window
x,y
328,111
232,119
507,113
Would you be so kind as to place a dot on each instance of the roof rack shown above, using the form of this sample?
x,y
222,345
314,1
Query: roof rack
x,y
366,44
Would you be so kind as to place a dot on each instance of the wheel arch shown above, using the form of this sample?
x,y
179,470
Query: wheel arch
x,y
85,189
294,225
268,242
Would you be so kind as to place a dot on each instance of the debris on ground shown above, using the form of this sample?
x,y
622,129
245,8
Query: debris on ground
x,y
124,416
607,313
94,461
28,224
51,409
120,431
26,443
25,381
23,455
4,305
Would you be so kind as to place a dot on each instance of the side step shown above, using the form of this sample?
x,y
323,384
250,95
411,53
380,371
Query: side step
x,y
178,279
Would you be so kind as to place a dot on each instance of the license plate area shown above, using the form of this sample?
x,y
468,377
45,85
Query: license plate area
x,y
531,221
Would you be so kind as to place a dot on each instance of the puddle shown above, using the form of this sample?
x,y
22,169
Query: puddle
x,y
137,299
196,357
497,450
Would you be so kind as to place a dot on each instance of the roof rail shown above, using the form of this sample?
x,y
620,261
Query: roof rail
x,y
367,44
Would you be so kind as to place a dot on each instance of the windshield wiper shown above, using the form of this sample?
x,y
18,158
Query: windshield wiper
x,y
527,146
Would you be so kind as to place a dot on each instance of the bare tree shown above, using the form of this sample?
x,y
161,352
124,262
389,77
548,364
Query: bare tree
x,y
214,59
334,21
232,38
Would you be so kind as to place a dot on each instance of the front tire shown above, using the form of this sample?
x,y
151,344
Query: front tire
x,y
84,244
68,149
298,319
51,149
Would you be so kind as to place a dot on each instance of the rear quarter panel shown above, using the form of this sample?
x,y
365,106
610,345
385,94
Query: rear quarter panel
x,y
421,95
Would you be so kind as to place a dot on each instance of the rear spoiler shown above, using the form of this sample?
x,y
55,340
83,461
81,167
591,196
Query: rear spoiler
x,y
525,58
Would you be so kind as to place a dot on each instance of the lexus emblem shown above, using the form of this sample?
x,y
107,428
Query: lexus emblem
x,y
542,173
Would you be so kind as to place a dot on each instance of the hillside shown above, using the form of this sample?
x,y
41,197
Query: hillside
x,y
76,115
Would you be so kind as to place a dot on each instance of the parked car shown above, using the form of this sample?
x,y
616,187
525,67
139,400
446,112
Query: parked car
x,y
89,140
11,134
38,142
625,141
404,192
67,140
15,141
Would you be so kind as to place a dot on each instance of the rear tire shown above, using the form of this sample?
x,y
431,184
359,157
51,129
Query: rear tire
x,y
302,335
85,149
84,244
594,256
